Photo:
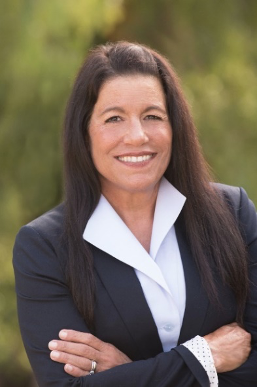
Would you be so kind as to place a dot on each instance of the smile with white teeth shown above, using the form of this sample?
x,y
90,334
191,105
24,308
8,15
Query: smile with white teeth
x,y
135,159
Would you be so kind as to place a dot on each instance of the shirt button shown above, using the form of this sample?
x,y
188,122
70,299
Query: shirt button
x,y
168,327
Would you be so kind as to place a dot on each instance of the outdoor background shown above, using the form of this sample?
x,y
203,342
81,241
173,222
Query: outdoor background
x,y
212,45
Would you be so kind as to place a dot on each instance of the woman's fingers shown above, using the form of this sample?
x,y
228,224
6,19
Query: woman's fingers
x,y
74,371
80,337
78,349
72,360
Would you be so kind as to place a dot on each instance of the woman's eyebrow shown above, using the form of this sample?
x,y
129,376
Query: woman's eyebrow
x,y
112,108
155,107
119,109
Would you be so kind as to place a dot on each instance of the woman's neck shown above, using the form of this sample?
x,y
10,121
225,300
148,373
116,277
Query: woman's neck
x,y
136,210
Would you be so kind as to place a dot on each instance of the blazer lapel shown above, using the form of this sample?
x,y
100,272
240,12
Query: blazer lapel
x,y
196,299
126,293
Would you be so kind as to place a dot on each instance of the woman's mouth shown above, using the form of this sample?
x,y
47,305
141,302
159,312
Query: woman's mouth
x,y
135,159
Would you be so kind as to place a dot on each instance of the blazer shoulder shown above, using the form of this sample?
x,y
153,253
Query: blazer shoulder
x,y
236,197
242,208
40,241
50,223
231,194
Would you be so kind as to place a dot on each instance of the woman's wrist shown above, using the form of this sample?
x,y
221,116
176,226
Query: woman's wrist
x,y
209,338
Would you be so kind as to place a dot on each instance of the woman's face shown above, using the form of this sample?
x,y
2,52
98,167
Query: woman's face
x,y
130,134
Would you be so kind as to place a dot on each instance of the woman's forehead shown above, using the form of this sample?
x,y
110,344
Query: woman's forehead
x,y
122,89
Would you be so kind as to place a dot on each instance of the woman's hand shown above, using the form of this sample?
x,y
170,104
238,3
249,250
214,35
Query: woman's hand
x,y
230,347
77,350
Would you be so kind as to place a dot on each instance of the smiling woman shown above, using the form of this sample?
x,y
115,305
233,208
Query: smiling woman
x,y
131,136
147,271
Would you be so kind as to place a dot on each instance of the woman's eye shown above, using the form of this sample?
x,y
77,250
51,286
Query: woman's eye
x,y
113,119
152,117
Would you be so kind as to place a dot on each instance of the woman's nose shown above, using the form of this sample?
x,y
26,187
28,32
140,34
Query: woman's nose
x,y
135,134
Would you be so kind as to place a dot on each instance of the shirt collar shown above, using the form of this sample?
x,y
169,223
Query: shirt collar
x,y
107,231
168,207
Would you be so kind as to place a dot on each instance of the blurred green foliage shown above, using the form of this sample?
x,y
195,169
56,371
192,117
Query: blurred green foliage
x,y
212,45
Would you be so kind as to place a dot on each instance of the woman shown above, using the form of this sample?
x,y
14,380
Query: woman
x,y
146,254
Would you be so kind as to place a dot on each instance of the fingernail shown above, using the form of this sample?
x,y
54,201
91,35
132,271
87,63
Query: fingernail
x,y
52,345
63,334
54,354
68,367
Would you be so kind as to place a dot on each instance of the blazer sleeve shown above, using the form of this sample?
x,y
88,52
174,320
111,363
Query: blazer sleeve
x,y
45,306
246,374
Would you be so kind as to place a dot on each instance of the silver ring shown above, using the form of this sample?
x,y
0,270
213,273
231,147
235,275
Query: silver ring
x,y
93,367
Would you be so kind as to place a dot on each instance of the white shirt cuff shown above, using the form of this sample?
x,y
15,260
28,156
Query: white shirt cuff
x,y
201,350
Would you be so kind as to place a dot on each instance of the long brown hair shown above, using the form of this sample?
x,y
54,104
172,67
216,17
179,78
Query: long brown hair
x,y
213,235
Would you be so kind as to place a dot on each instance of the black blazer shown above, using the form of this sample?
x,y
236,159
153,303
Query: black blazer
x,y
123,318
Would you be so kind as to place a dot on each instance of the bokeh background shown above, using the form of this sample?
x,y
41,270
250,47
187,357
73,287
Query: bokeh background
x,y
212,45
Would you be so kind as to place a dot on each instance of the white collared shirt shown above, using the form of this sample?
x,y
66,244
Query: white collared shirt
x,y
160,271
